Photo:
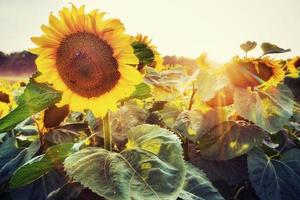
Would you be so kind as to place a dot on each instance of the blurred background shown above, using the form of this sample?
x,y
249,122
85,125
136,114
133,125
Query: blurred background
x,y
182,28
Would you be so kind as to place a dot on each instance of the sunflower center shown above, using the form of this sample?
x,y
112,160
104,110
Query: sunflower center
x,y
86,64
4,97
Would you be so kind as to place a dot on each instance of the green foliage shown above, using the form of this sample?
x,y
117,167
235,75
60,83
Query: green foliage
x,y
194,124
8,150
69,133
14,163
151,167
209,83
275,179
35,98
230,139
40,165
142,91
233,171
269,48
128,116
41,188
270,109
197,186
248,46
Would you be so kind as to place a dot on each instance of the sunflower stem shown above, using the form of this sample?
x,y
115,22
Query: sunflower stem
x,y
107,133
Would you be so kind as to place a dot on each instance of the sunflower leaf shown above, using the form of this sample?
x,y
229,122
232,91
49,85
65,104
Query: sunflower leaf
x,y
197,186
270,109
7,170
269,48
40,165
248,46
229,140
194,124
151,167
142,91
275,179
40,188
36,97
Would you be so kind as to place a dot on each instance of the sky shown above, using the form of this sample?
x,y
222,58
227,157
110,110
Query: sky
x,y
177,27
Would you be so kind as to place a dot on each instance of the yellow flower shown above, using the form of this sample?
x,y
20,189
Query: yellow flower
x,y
253,72
293,67
88,58
6,101
157,61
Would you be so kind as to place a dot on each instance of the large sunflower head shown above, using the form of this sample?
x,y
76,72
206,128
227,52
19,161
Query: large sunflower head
x,y
88,58
293,67
253,72
147,52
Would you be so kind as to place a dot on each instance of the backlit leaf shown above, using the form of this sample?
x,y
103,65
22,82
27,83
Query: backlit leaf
x,y
36,97
269,109
230,139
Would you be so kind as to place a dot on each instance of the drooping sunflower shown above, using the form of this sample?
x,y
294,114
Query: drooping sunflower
x,y
88,58
51,117
154,59
293,67
253,72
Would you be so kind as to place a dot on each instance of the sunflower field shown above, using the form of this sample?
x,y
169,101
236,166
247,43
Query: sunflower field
x,y
106,117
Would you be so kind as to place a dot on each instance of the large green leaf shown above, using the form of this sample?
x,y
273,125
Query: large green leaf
x,y
269,48
12,165
194,124
233,171
35,98
68,133
128,116
197,186
209,82
230,139
40,188
38,166
270,110
8,150
151,167
275,179
142,91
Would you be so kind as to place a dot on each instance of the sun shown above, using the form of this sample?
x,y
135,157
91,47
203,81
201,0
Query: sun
x,y
88,58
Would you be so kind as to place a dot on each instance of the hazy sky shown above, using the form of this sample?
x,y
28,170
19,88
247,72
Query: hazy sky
x,y
181,27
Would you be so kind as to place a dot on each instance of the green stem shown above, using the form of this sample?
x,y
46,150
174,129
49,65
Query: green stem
x,y
186,141
106,133
192,98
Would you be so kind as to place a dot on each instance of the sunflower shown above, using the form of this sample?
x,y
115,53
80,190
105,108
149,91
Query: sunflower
x,y
253,72
156,61
6,101
88,58
293,67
